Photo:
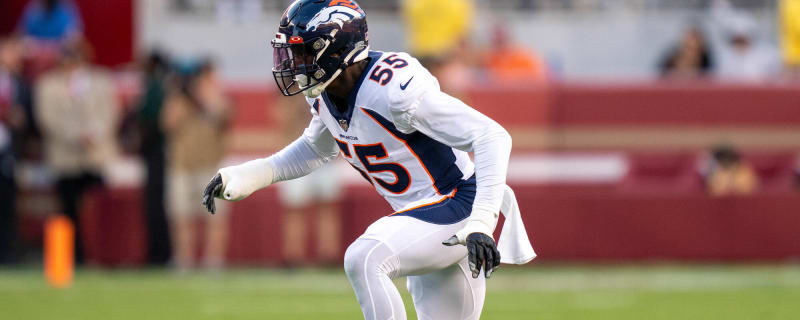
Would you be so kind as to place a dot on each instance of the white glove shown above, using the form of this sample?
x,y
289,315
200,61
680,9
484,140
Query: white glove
x,y
237,182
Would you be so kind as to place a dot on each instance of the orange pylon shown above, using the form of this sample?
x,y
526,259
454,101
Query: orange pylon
x,y
59,251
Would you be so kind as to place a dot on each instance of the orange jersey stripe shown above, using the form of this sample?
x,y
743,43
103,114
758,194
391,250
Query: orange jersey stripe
x,y
433,181
428,204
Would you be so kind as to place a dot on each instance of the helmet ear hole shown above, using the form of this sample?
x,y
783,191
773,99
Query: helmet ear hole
x,y
339,53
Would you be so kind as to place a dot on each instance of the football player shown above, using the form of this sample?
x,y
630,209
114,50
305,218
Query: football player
x,y
385,114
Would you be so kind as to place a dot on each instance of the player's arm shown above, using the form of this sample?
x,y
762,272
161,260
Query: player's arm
x,y
450,121
312,150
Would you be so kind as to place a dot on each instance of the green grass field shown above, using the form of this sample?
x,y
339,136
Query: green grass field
x,y
541,292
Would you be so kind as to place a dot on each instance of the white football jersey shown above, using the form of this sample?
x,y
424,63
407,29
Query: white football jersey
x,y
407,167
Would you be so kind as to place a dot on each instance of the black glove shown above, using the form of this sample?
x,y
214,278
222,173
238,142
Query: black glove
x,y
213,189
481,251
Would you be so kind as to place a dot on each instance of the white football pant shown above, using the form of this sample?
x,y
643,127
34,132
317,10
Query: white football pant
x,y
439,278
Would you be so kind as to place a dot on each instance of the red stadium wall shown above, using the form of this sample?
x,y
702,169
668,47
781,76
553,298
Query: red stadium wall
x,y
563,225
566,117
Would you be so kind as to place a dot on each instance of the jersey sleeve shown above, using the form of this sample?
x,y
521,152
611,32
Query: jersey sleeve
x,y
453,123
311,150
320,139
404,93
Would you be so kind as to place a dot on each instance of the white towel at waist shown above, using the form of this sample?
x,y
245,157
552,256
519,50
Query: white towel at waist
x,y
514,245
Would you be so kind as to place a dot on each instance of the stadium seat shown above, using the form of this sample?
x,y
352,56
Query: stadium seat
x,y
776,171
662,172
113,228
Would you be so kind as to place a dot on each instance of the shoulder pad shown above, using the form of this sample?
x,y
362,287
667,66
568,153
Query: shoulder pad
x,y
411,80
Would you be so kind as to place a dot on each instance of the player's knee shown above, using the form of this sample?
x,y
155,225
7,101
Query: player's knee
x,y
363,256
350,259
354,258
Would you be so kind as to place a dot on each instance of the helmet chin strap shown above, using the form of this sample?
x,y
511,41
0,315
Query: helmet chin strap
x,y
317,90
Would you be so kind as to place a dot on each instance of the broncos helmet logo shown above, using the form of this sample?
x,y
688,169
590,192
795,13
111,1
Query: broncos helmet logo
x,y
335,14
346,3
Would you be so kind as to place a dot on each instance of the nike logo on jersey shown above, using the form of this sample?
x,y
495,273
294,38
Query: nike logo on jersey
x,y
403,86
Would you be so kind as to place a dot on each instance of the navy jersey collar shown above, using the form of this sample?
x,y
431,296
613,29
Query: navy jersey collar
x,y
351,98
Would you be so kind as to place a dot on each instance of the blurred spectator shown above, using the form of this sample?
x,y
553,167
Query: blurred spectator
x,y
454,70
438,33
77,111
319,192
436,26
507,62
13,92
51,21
26,136
690,59
790,36
742,58
46,25
729,174
195,119
153,151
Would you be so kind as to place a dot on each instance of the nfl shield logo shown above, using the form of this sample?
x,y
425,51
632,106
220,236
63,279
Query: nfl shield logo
x,y
343,124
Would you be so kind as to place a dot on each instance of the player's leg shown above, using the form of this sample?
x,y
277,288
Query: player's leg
x,y
450,293
370,265
439,278
408,243
181,222
295,196
328,191
328,232
393,247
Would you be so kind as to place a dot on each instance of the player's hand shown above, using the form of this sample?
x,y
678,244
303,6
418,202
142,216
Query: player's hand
x,y
481,253
213,190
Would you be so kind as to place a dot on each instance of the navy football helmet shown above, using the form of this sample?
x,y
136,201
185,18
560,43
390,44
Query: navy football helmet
x,y
316,40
